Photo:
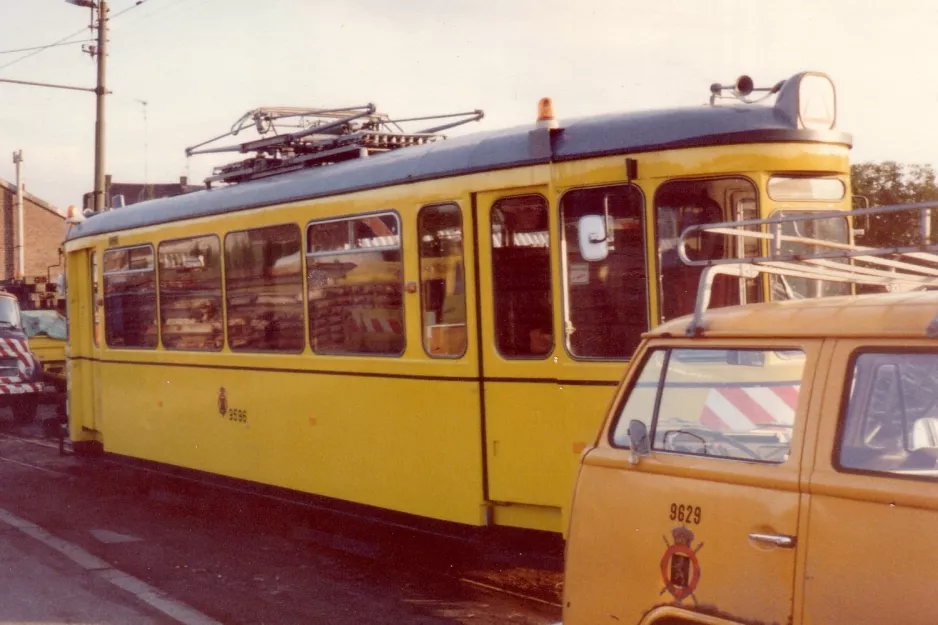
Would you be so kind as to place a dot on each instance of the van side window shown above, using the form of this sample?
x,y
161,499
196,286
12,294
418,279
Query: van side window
x,y
130,297
680,204
606,299
264,289
521,277
891,421
355,278
190,294
442,281
721,403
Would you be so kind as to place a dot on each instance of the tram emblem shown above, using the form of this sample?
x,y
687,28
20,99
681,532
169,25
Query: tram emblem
x,y
680,569
222,401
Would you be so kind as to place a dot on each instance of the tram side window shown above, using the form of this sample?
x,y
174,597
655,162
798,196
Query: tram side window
x,y
130,297
264,289
356,285
607,299
681,204
442,280
190,294
521,277
95,312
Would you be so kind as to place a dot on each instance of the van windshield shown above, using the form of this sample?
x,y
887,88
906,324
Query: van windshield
x,y
9,312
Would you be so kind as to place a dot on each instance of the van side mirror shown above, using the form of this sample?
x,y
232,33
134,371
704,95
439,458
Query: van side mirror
x,y
639,444
592,237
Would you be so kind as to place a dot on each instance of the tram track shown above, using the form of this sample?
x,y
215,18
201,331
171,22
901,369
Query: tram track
x,y
27,439
348,540
29,465
33,466
344,533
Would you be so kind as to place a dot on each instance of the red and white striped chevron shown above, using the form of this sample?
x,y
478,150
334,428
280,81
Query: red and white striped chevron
x,y
23,388
373,324
741,409
26,365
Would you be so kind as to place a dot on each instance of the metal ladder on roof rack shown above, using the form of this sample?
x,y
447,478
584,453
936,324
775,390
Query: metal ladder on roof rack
x,y
903,267
321,137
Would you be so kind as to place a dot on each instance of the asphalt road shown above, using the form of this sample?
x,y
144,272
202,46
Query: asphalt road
x,y
143,549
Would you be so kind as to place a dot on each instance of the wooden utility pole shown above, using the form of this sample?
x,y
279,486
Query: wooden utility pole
x,y
100,93
99,50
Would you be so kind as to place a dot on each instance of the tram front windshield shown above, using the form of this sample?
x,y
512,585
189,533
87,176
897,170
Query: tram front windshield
x,y
832,229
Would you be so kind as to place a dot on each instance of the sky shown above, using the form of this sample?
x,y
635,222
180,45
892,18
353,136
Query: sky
x,y
201,64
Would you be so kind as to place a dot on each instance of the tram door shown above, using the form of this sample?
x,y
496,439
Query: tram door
x,y
84,342
523,407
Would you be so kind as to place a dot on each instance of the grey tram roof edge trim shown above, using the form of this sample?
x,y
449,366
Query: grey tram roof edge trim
x,y
589,137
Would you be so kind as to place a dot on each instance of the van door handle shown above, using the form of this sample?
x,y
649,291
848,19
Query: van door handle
x,y
777,540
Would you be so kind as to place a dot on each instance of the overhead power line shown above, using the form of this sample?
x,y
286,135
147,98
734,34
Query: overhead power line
x,y
131,7
41,48
66,39
51,45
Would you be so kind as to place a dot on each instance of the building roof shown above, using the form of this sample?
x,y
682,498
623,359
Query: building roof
x,y
11,187
135,192
908,315
600,135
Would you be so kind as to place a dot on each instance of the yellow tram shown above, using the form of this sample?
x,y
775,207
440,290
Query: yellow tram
x,y
436,330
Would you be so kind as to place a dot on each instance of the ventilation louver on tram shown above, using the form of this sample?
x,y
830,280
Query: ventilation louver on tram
x,y
297,138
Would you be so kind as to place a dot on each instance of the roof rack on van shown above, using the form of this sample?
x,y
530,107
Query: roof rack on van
x,y
791,251
322,136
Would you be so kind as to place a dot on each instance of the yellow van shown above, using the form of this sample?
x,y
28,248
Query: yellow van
x,y
781,468
772,463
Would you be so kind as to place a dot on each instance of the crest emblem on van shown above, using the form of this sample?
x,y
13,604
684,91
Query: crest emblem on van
x,y
680,569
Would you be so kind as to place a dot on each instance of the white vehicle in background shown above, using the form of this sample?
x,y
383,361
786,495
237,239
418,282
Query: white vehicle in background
x,y
22,383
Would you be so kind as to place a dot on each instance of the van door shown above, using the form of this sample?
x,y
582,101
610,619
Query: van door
x,y
523,407
870,539
705,516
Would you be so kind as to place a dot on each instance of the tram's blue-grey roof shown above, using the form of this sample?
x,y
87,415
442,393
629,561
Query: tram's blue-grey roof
x,y
618,133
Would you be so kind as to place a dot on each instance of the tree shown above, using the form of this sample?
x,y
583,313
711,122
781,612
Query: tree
x,y
887,183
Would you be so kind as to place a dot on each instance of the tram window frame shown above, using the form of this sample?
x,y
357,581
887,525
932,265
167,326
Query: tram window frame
x,y
216,294
730,284
108,322
347,245
499,336
228,292
566,264
445,336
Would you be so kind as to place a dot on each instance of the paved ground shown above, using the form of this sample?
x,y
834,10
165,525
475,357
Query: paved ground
x,y
90,542
38,585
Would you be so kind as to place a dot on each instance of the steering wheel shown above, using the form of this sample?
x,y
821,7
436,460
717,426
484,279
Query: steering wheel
x,y
715,436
